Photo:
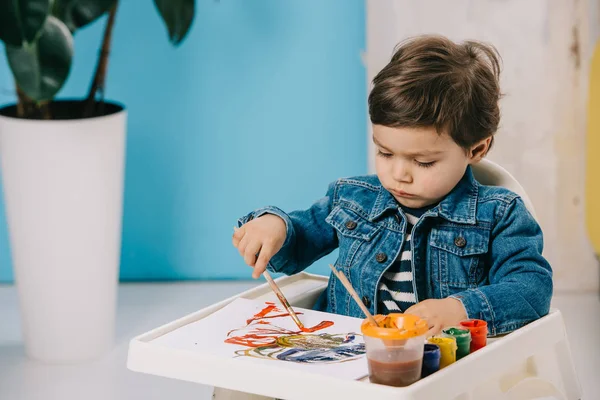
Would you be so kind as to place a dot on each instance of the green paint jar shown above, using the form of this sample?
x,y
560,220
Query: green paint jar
x,y
463,340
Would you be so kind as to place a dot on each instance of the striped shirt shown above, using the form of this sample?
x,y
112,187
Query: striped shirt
x,y
396,291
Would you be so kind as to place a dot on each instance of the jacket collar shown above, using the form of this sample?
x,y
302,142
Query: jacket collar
x,y
459,206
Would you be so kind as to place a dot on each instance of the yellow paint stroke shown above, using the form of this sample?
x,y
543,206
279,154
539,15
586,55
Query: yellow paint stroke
x,y
592,189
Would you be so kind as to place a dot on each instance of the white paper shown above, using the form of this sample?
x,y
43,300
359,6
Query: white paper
x,y
275,339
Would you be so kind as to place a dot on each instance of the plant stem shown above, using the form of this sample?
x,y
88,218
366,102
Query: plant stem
x,y
20,102
45,110
26,108
101,68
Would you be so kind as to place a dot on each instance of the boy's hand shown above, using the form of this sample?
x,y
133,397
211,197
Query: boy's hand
x,y
264,235
439,313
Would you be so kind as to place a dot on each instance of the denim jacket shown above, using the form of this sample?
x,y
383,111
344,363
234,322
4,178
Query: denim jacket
x,y
479,245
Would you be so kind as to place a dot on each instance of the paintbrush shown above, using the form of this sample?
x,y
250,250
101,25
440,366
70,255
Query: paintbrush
x,y
280,296
282,299
353,293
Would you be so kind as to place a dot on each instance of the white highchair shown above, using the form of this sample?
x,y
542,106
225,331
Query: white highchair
x,y
533,362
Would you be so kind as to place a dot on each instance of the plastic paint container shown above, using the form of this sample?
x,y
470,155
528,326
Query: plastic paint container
x,y
447,347
463,340
394,348
431,359
479,331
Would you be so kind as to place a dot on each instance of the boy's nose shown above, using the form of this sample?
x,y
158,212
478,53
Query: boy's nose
x,y
401,173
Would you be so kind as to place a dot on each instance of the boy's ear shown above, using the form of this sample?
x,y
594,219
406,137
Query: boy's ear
x,y
479,150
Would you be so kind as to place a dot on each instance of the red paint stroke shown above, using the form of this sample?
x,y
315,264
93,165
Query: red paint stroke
x,y
266,335
271,307
321,325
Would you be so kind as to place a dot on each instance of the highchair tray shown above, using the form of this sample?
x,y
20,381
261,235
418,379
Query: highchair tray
x,y
532,362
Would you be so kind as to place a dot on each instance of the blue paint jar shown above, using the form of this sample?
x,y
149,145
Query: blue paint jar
x,y
431,359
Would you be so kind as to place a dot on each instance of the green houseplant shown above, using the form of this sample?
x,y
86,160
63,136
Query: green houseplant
x,y
62,165
38,37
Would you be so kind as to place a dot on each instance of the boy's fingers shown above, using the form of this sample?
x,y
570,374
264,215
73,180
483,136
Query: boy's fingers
x,y
261,264
238,233
258,272
420,311
414,310
434,330
266,252
251,251
236,239
242,246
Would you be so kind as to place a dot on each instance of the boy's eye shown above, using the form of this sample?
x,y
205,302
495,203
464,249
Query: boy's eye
x,y
425,164
384,155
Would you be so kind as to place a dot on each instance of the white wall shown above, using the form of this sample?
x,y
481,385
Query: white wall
x,y
546,46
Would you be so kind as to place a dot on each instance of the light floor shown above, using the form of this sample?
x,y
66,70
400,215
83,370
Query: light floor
x,y
145,306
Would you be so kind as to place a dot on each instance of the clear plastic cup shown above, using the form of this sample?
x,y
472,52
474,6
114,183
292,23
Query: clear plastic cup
x,y
395,348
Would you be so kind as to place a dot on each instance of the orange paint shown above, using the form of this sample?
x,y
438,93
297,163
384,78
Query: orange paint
x,y
267,335
251,340
321,325
255,318
269,308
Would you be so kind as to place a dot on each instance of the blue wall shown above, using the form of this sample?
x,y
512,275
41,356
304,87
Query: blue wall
x,y
264,103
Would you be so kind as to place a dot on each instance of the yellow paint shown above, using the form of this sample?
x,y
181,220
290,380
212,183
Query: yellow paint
x,y
592,190
447,349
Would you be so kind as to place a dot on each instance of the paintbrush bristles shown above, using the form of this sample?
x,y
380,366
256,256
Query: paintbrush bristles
x,y
353,293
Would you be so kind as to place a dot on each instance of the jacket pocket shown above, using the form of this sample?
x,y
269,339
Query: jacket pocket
x,y
458,255
354,234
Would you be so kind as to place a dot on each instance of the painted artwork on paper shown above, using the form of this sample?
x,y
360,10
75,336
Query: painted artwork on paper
x,y
264,337
262,332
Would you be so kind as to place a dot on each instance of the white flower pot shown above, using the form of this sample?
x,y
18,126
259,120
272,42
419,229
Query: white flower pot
x,y
63,192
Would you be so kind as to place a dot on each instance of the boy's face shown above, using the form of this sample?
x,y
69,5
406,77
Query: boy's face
x,y
418,166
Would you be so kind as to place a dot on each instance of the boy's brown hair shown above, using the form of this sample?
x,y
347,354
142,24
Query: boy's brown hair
x,y
432,81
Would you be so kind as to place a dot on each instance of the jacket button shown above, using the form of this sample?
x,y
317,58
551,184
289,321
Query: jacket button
x,y
351,225
366,301
380,257
460,241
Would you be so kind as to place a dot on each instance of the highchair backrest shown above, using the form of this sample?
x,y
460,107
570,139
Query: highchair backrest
x,y
489,173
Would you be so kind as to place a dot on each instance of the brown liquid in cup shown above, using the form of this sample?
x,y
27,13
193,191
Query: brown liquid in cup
x,y
395,373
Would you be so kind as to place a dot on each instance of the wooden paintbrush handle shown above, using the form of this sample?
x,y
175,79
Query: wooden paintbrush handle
x,y
283,299
353,293
280,295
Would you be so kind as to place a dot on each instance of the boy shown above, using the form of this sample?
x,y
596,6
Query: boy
x,y
422,236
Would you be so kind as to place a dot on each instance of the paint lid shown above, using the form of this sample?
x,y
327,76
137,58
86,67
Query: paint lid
x,y
478,327
444,342
462,335
394,326
431,351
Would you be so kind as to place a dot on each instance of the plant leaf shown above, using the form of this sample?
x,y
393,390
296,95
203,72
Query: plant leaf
x,y
42,67
21,20
178,16
78,13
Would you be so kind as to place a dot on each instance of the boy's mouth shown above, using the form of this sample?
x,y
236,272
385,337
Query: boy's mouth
x,y
401,193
